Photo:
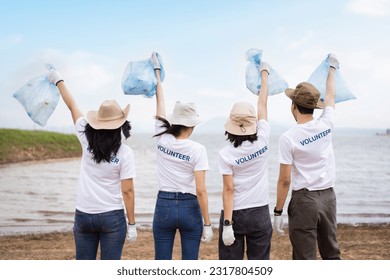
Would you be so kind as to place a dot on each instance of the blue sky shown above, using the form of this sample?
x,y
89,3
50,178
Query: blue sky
x,y
203,45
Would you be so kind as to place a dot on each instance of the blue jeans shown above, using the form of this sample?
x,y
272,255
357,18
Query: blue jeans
x,y
251,226
177,211
108,228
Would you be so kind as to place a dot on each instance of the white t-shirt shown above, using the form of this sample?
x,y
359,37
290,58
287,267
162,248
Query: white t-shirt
x,y
177,159
308,148
248,164
99,187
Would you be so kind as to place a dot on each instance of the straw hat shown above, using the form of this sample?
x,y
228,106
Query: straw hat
x,y
184,114
305,95
109,115
242,120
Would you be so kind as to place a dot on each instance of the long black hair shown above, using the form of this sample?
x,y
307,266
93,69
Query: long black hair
x,y
237,140
174,129
105,143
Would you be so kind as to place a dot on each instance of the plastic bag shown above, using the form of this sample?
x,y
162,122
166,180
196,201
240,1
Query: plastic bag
x,y
139,78
39,98
276,84
319,77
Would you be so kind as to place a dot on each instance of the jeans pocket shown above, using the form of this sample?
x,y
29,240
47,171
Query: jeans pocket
x,y
111,221
193,212
161,213
79,221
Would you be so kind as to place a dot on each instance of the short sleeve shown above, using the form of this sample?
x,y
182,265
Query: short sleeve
x,y
285,150
223,167
159,126
263,130
202,162
327,116
128,165
79,128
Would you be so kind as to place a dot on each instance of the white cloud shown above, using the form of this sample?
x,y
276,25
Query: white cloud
x,y
10,41
375,8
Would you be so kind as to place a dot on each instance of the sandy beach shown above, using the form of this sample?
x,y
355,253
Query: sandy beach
x,y
367,242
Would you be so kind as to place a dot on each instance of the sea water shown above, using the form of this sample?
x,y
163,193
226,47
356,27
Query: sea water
x,y
40,196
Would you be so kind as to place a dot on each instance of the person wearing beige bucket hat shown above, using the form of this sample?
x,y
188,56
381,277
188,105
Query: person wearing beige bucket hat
x,y
245,222
182,200
307,164
105,191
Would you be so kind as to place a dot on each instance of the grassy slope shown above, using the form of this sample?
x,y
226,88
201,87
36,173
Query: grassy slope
x,y
24,145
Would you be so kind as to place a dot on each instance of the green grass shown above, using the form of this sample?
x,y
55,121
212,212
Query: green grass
x,y
24,145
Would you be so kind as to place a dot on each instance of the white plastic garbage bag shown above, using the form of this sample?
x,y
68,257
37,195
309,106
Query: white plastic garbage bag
x,y
318,79
139,78
39,98
276,84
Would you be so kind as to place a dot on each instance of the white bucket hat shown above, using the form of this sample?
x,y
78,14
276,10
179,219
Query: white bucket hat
x,y
109,116
184,114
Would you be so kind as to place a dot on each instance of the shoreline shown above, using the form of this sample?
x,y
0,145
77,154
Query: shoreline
x,y
364,242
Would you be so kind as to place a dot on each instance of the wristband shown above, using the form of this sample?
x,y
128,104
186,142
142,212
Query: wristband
x,y
131,224
278,212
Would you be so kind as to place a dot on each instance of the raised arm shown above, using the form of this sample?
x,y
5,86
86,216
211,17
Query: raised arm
x,y
55,78
160,102
330,82
264,69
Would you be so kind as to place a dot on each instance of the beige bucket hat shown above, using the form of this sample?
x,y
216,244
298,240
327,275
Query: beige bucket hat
x,y
242,120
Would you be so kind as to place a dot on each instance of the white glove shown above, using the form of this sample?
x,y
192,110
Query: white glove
x,y
156,60
207,234
54,77
131,233
228,235
278,224
333,61
264,66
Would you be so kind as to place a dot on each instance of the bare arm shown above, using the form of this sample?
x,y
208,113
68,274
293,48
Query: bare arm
x,y
128,198
160,102
201,193
69,101
263,96
330,89
228,197
283,185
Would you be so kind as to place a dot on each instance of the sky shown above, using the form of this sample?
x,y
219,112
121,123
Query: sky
x,y
203,45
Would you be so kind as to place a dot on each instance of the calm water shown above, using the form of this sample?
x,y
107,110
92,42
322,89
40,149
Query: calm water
x,y
41,196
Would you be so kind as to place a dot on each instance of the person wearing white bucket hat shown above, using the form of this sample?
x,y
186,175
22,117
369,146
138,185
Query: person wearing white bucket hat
x,y
307,163
245,220
182,200
105,183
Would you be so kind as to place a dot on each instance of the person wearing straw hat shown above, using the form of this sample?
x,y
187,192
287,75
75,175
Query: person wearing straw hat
x,y
105,183
245,219
307,164
182,200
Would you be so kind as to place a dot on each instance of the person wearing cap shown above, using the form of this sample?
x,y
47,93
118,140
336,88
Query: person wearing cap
x,y
182,200
105,183
245,222
307,164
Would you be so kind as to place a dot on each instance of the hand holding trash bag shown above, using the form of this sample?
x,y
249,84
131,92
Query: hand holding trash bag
x,y
139,77
276,84
54,77
39,97
319,76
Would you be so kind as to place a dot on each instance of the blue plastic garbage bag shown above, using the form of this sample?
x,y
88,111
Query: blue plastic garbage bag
x,y
276,84
319,77
139,78
39,98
